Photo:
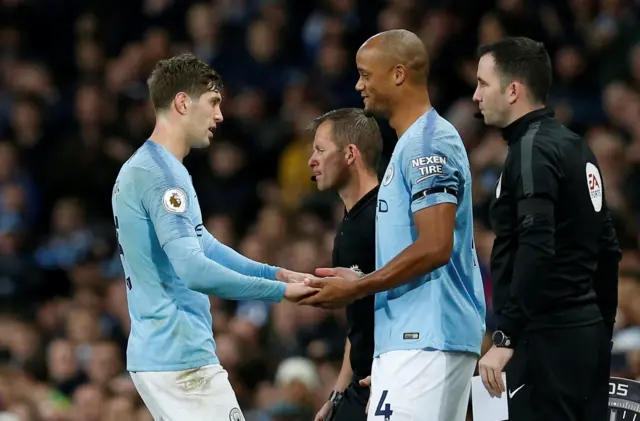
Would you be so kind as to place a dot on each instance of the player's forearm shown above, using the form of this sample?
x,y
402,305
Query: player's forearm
x,y
235,261
533,262
209,277
346,372
418,259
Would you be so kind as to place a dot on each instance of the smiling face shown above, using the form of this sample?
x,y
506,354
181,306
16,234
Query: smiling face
x,y
202,119
329,162
376,81
492,97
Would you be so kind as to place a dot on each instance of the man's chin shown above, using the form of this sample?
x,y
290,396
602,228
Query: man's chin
x,y
321,186
486,119
204,143
371,112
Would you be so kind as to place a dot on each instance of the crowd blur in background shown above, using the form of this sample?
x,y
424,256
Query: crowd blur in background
x,y
73,108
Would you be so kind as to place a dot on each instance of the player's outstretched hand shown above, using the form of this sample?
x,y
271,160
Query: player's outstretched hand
x,y
335,292
297,291
346,273
286,275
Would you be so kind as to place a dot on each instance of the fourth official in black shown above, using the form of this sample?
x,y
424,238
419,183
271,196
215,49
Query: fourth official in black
x,y
346,150
555,258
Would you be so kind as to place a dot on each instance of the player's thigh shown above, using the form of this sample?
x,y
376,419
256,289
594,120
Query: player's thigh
x,y
598,404
421,386
566,371
142,385
349,410
203,394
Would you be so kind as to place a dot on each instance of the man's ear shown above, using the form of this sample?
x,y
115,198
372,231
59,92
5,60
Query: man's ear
x,y
400,74
181,102
515,90
352,153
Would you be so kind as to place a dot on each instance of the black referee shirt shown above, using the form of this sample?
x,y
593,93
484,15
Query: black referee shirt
x,y
555,257
355,247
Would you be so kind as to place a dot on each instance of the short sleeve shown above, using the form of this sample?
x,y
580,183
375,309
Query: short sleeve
x,y
430,169
165,198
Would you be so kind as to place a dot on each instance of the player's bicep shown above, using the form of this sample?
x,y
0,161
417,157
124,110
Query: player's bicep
x,y
167,205
432,175
435,226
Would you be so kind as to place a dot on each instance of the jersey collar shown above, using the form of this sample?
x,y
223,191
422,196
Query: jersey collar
x,y
360,204
518,128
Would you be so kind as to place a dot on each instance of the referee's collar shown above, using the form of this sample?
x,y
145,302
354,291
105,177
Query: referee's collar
x,y
362,203
518,128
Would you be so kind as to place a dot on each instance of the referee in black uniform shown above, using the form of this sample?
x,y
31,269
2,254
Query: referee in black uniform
x,y
555,258
346,151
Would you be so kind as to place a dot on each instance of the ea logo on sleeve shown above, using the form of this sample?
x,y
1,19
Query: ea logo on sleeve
x,y
594,182
174,201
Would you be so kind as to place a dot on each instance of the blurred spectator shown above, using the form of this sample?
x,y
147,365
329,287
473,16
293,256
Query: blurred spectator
x,y
70,239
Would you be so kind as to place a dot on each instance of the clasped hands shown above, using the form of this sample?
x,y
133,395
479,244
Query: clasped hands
x,y
328,288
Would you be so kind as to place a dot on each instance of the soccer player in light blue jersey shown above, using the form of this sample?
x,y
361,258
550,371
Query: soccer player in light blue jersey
x,y
172,264
429,305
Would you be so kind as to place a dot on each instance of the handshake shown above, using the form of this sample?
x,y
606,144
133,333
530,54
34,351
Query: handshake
x,y
329,288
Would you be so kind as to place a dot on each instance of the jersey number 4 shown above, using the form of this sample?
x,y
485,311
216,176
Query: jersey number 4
x,y
121,251
386,412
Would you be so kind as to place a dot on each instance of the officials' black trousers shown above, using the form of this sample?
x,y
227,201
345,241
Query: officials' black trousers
x,y
353,404
560,375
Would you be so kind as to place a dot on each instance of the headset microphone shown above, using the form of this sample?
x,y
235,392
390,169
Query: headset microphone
x,y
313,178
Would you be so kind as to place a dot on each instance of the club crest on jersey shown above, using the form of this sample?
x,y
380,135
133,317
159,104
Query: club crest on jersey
x,y
594,183
388,175
174,201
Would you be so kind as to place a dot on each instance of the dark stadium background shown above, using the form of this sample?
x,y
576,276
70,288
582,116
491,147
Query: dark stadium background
x,y
73,108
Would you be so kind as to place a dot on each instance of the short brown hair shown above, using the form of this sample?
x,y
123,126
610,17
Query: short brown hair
x,y
524,60
182,73
352,126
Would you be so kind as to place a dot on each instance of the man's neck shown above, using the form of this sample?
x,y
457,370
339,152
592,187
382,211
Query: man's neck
x,y
408,110
357,188
520,112
165,134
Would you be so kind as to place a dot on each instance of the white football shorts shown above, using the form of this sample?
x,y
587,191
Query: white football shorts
x,y
419,385
202,394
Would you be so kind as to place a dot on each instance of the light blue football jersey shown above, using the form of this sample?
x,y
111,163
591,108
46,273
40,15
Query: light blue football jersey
x,y
445,309
155,206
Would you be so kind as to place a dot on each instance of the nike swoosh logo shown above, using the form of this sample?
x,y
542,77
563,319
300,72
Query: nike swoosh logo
x,y
513,392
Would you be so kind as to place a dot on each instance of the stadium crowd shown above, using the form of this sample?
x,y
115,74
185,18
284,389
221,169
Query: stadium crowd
x,y
73,108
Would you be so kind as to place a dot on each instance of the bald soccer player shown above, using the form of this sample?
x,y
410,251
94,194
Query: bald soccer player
x,y
429,303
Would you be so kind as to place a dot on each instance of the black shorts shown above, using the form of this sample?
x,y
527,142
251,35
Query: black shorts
x,y
353,404
560,375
